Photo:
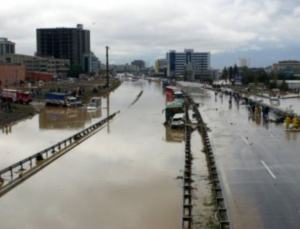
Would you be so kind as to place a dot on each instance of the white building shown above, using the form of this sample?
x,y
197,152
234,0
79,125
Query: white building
x,y
287,65
6,46
293,84
59,67
243,62
196,64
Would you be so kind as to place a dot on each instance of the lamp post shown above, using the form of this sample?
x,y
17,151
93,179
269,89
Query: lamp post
x,y
107,67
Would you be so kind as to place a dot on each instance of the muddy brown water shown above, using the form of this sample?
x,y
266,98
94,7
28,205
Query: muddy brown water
x,y
123,177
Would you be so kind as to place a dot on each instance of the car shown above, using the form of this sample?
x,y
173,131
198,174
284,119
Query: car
x,y
177,121
73,102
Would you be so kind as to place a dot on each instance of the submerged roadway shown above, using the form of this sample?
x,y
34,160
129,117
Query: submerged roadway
x,y
122,177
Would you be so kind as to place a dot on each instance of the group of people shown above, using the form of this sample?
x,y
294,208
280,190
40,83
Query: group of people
x,y
258,109
291,122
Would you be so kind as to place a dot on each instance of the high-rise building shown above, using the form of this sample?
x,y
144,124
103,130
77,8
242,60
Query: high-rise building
x,y
65,43
93,64
194,65
243,62
6,46
139,63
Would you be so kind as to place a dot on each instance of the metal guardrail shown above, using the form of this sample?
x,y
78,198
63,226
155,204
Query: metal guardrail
x,y
18,172
187,211
212,169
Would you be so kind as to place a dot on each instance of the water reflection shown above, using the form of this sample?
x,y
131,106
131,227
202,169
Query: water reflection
x,y
174,135
67,118
291,136
108,112
7,129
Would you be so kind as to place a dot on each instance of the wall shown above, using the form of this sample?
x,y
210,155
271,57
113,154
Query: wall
x,y
11,74
37,76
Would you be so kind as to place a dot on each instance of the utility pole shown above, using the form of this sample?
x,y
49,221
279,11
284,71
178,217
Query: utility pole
x,y
107,68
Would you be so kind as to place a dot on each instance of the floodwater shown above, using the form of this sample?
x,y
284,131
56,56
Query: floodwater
x,y
258,164
122,177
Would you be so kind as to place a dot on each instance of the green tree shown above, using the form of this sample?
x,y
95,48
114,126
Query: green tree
x,y
262,76
246,75
75,70
230,73
284,86
273,82
224,74
235,70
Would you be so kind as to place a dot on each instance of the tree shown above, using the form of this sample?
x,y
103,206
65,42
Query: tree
x,y
235,70
246,75
284,86
75,70
224,75
273,85
273,82
230,72
262,76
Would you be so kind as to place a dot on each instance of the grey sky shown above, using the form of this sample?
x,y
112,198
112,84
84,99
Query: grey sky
x,y
263,30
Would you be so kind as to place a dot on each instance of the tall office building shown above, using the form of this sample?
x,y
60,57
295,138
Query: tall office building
x,y
94,64
6,46
243,62
139,63
194,65
65,43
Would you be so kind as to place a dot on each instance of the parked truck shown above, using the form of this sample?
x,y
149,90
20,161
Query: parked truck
x,y
62,99
16,96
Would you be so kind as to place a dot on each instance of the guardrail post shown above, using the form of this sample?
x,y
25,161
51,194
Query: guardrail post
x,y
11,173
39,157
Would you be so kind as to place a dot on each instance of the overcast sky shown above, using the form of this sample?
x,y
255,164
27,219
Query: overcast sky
x,y
263,30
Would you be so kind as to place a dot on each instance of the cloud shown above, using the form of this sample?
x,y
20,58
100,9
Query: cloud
x,y
148,29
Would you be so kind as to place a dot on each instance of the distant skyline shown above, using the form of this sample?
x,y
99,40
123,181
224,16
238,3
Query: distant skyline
x,y
264,31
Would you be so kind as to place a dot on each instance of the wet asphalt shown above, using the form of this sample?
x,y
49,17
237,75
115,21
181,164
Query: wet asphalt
x,y
259,164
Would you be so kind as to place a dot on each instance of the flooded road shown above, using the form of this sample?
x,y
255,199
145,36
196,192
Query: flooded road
x,y
258,164
122,177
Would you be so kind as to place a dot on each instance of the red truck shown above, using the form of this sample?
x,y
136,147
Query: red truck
x,y
16,96
173,93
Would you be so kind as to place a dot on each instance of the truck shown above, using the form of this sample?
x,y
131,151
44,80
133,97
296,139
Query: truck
x,y
172,108
173,93
62,99
16,96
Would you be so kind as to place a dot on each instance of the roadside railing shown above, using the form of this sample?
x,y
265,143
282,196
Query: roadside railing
x,y
18,172
212,169
187,210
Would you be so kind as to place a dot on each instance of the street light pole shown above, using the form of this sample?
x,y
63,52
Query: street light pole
x,y
107,67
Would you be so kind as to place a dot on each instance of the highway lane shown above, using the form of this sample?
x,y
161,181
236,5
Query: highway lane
x,y
259,166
